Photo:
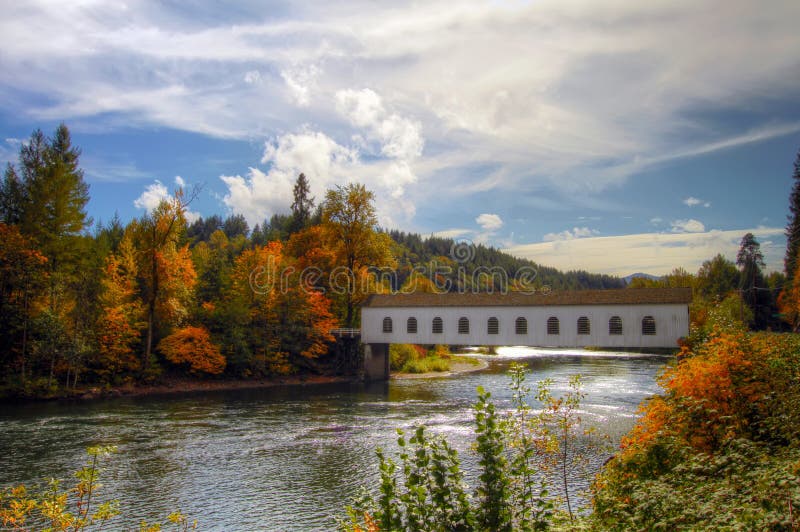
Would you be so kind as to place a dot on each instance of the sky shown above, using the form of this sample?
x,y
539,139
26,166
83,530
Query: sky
x,y
616,136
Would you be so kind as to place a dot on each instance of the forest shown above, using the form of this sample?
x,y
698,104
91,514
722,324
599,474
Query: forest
x,y
105,304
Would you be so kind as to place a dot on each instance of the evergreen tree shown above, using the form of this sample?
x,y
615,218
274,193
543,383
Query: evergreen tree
x,y
302,205
754,291
793,227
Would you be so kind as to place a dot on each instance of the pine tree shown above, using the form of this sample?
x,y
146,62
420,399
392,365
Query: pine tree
x,y
754,291
302,205
793,227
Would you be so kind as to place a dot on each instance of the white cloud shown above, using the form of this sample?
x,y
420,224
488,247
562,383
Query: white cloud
x,y
576,232
654,253
452,233
252,77
687,226
152,196
489,222
155,193
511,96
656,220
400,137
326,163
691,201
301,81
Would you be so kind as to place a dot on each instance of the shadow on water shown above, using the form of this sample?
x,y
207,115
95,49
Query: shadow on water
x,y
283,457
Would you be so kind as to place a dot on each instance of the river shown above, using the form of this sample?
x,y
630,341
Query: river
x,y
286,458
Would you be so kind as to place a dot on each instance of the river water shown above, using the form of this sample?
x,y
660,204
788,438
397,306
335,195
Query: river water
x,y
287,458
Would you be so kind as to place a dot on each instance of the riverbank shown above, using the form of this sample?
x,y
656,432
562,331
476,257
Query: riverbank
x,y
456,367
179,386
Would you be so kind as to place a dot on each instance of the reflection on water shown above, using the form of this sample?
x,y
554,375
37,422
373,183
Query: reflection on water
x,y
287,458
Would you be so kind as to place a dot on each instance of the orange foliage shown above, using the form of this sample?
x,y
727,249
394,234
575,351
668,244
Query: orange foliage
x,y
708,395
177,278
193,346
789,300
296,317
119,321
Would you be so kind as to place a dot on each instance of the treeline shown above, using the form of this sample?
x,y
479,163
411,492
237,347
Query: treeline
x,y
119,303
741,290
415,251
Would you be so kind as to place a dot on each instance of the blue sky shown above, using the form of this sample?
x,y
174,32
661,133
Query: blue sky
x,y
617,136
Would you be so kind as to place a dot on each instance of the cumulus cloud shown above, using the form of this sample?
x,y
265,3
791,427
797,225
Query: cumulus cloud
x,y
326,163
576,232
399,137
489,222
653,253
156,192
688,226
152,196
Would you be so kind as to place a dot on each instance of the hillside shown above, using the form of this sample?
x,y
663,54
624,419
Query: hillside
x,y
414,251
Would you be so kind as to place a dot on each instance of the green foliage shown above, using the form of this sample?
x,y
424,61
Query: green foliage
x,y
515,453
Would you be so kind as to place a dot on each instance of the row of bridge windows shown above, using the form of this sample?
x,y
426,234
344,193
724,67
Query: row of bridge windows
x,y
584,326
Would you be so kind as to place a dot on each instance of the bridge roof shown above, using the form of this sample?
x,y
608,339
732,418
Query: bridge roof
x,y
625,296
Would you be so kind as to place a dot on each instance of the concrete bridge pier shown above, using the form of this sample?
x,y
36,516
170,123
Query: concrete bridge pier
x,y
376,362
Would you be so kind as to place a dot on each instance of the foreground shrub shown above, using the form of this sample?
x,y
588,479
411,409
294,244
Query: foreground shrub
x,y
75,509
426,490
719,449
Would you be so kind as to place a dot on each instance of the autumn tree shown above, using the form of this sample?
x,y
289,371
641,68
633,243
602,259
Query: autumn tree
x,y
793,225
350,222
165,268
192,346
119,324
289,322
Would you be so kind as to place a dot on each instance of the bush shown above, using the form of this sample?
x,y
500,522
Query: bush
x,y
400,355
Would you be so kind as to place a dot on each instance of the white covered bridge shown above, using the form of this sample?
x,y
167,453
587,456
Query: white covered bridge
x,y
629,318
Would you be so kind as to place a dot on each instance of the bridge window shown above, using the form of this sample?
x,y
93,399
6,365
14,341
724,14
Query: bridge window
x,y
583,325
492,326
615,325
552,325
521,326
648,326
438,326
387,324
463,326
411,326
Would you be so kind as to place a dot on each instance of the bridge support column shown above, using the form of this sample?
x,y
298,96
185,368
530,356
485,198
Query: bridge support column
x,y
376,362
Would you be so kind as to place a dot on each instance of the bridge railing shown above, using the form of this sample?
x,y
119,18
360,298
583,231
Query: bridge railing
x,y
346,333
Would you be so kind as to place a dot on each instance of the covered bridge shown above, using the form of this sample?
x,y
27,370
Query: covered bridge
x,y
627,318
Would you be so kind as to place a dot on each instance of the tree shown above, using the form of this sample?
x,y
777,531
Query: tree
x,y
302,205
235,225
166,269
118,328
23,273
192,346
717,277
793,227
349,219
754,292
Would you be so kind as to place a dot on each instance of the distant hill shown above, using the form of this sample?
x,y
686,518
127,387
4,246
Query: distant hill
x,y
631,277
416,251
